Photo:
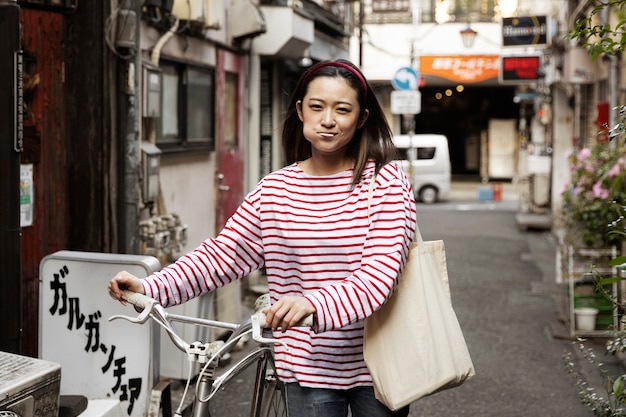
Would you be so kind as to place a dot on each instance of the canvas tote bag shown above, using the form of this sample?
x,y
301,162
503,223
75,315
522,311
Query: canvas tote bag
x,y
413,344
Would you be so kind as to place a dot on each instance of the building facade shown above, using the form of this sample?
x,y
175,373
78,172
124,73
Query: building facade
x,y
145,123
514,101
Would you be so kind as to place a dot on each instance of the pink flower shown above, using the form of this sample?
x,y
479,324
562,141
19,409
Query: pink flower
x,y
584,153
615,171
599,192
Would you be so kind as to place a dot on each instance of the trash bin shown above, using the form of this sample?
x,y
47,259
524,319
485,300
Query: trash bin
x,y
485,194
497,191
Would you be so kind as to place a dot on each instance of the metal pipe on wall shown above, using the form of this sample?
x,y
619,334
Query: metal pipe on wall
x,y
129,117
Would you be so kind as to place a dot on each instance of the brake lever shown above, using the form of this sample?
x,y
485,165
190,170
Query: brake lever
x,y
141,318
258,323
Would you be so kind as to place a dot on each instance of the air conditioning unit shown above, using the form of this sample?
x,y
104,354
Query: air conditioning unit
x,y
29,387
190,10
246,20
199,13
578,68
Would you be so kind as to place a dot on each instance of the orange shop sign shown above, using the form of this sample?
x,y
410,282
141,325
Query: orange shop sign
x,y
461,68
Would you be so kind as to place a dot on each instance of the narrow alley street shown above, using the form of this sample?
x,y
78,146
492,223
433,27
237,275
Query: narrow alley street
x,y
504,293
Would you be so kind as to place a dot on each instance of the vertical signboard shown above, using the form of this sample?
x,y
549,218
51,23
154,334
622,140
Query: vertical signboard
x,y
99,359
10,146
18,102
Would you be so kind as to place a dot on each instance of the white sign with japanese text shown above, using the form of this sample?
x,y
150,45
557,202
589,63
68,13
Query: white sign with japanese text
x,y
406,102
99,359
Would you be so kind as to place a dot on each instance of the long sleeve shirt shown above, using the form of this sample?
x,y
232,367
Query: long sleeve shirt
x,y
318,237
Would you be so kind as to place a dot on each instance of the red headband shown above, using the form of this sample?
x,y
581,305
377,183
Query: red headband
x,y
338,64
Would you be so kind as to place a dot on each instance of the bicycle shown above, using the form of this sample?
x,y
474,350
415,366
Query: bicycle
x,y
268,397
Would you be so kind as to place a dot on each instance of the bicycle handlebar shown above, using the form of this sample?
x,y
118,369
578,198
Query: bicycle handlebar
x,y
152,309
208,353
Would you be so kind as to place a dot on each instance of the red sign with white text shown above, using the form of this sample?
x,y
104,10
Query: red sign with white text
x,y
520,68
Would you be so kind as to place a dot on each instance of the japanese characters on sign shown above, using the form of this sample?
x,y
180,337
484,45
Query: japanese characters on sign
x,y
524,30
99,359
520,68
465,69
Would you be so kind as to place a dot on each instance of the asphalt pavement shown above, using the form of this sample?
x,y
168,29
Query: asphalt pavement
x,y
512,311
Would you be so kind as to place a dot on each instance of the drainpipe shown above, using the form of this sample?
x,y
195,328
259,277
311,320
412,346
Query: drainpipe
x,y
129,115
10,148
156,51
578,139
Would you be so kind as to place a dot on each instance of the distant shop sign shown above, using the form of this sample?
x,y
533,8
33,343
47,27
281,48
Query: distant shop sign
x,y
460,69
525,30
520,69
406,102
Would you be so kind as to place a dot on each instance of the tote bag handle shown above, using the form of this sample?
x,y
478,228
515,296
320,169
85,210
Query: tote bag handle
x,y
370,192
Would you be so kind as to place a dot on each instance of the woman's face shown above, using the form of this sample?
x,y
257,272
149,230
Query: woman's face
x,y
330,115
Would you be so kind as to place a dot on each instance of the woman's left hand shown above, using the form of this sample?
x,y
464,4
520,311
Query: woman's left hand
x,y
288,312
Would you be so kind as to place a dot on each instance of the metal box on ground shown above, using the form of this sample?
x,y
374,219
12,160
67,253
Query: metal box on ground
x,y
29,387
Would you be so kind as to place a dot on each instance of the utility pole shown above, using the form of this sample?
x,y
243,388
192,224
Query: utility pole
x,y
11,144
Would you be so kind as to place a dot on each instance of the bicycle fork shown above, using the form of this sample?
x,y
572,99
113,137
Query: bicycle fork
x,y
259,384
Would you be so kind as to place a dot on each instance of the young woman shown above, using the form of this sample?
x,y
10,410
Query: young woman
x,y
327,250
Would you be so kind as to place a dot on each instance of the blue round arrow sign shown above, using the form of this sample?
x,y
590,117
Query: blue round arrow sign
x,y
405,78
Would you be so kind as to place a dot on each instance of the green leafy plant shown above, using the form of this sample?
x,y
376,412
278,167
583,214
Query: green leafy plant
x,y
608,404
602,37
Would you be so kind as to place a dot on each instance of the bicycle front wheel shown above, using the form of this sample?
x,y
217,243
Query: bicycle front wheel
x,y
270,390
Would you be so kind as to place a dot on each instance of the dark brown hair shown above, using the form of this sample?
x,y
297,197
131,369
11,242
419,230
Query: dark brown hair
x,y
372,141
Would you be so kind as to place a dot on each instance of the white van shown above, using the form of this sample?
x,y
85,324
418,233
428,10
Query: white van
x,y
429,170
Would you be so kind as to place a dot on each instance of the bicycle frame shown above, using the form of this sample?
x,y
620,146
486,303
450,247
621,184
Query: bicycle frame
x,y
209,354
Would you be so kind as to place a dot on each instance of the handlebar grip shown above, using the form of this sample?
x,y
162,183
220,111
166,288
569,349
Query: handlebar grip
x,y
137,299
305,322
263,301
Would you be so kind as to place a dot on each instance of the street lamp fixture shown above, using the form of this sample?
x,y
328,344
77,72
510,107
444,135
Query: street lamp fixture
x,y
468,35
306,60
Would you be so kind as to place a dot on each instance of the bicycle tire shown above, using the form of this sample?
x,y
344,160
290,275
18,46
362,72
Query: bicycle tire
x,y
271,391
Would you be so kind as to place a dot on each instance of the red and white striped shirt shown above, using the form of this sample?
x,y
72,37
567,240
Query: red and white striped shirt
x,y
316,238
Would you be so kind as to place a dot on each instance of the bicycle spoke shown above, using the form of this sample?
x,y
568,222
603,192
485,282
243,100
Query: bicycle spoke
x,y
273,401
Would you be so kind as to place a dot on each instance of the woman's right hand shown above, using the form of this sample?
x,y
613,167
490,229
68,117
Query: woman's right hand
x,y
124,281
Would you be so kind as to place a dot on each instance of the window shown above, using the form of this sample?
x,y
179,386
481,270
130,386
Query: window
x,y
405,154
426,153
187,108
